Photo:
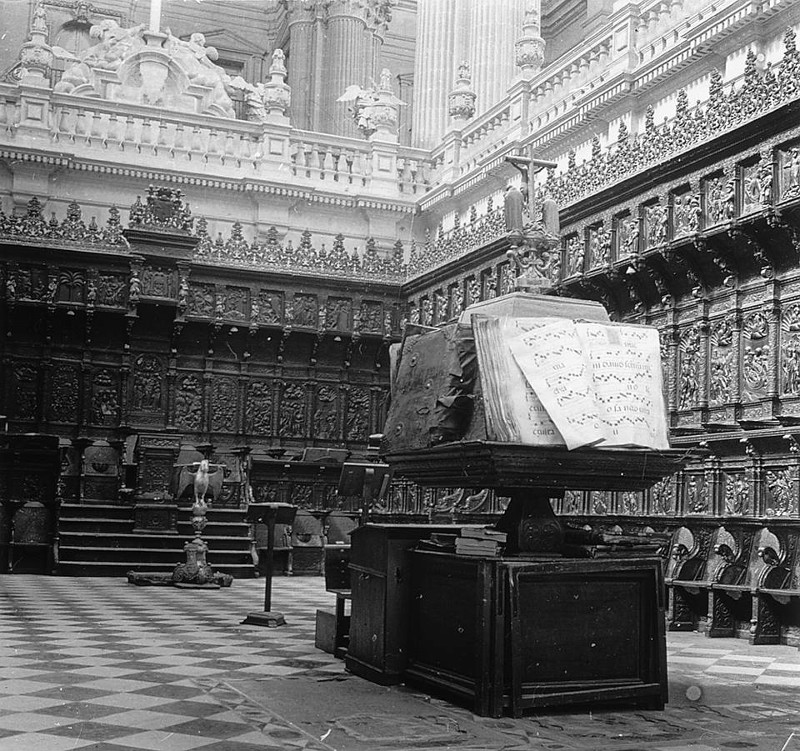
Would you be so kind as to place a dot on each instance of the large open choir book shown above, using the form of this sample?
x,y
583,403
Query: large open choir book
x,y
561,382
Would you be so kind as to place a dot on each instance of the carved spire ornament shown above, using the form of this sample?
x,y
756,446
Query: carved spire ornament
x,y
461,100
529,49
36,55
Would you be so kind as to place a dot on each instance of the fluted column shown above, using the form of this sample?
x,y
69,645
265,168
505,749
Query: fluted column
x,y
495,26
301,66
438,25
345,60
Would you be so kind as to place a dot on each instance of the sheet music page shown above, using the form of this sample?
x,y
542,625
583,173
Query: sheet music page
x,y
553,361
514,413
626,371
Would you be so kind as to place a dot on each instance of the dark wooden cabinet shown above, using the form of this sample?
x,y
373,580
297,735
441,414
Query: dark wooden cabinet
x,y
380,605
516,634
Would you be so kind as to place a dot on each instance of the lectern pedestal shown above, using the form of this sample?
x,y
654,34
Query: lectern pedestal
x,y
269,514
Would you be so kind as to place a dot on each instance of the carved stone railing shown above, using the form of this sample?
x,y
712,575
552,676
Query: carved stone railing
x,y
120,137
758,94
71,231
306,258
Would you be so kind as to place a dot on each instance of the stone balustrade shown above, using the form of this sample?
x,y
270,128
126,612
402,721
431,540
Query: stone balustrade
x,y
118,137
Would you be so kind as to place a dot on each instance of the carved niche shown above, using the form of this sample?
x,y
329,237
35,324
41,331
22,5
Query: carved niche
x,y
306,311
627,236
24,401
269,307
258,412
721,363
599,242
32,283
326,414
337,313
573,255
237,303
71,287
695,490
148,384
755,357
224,405
357,417
105,402
790,351
371,317
720,199
790,173
655,225
780,496
292,421
189,403
689,369
736,487
685,213
111,290
201,300
662,500
64,391
756,185
159,282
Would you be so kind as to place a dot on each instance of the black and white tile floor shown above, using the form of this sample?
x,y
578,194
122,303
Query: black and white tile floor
x,y
95,663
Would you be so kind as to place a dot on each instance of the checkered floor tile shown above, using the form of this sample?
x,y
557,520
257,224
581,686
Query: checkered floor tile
x,y
94,663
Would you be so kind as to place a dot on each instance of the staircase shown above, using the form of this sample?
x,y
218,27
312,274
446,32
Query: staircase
x,y
98,540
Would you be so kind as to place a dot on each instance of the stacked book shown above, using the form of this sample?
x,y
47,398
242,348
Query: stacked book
x,y
583,543
484,542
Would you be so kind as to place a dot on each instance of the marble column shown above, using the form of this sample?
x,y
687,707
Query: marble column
x,y
345,48
439,25
495,27
301,65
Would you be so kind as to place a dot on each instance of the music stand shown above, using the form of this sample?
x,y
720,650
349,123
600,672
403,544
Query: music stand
x,y
369,480
269,514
